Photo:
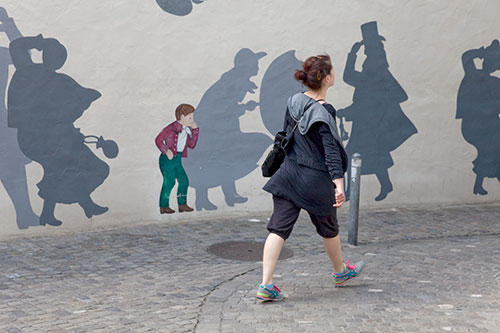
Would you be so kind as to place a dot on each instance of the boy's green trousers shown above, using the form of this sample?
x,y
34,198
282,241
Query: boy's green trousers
x,y
172,170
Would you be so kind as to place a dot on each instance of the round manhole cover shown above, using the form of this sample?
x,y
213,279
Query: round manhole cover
x,y
244,251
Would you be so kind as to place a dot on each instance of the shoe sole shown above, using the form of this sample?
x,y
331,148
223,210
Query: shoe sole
x,y
269,299
347,281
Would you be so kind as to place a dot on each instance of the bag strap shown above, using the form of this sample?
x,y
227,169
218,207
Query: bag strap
x,y
286,140
294,127
297,123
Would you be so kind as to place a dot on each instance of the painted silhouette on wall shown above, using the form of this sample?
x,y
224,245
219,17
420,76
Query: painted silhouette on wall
x,y
42,106
173,143
12,160
225,153
379,125
478,105
278,84
178,7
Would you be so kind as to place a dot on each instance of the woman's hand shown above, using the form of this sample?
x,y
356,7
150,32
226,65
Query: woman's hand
x,y
339,192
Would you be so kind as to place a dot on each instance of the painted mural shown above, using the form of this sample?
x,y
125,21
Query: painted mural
x,y
173,143
42,105
225,153
478,105
12,160
379,125
178,7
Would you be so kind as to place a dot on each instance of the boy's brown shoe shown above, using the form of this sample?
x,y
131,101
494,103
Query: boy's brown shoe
x,y
166,210
185,208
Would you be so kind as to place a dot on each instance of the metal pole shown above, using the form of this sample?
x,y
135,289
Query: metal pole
x,y
354,197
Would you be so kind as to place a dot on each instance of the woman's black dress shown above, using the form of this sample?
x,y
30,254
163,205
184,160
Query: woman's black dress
x,y
313,160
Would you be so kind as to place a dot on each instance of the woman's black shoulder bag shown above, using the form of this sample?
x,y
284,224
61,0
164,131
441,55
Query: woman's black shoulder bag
x,y
277,155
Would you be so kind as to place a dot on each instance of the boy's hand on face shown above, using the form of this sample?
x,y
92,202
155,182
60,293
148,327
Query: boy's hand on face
x,y
193,125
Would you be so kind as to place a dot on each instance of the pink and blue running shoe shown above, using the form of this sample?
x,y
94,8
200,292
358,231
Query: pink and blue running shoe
x,y
269,294
349,273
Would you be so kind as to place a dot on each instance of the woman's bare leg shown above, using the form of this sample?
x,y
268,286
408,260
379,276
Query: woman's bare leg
x,y
272,250
334,251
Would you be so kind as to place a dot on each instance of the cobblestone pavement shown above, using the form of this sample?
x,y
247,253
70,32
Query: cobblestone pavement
x,y
435,269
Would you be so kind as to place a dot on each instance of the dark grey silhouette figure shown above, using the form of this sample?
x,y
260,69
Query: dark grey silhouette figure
x,y
379,125
478,105
42,105
224,153
178,7
278,84
12,160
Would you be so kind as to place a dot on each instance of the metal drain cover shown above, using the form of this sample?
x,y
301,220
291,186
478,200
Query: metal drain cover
x,y
244,251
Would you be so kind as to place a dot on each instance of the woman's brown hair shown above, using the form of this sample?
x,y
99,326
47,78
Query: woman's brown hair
x,y
314,70
183,110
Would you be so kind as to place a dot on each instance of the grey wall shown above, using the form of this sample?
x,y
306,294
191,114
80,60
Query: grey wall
x,y
83,102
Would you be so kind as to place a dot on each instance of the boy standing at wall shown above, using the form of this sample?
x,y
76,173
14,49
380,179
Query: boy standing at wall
x,y
173,142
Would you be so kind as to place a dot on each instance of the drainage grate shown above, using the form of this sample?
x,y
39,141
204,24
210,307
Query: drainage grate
x,y
244,251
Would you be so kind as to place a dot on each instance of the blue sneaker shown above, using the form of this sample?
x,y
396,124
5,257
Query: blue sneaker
x,y
265,294
349,273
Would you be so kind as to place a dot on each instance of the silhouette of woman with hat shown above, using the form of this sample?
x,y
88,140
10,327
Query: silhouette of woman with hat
x,y
478,105
379,125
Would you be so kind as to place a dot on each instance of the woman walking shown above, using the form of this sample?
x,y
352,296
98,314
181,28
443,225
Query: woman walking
x,y
310,178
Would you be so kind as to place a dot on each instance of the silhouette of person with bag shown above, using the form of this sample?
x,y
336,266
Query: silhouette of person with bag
x,y
43,105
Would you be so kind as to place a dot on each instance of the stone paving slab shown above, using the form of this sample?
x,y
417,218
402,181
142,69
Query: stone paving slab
x,y
159,278
449,284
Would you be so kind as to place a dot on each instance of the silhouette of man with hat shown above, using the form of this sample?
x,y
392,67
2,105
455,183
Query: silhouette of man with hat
x,y
224,153
379,125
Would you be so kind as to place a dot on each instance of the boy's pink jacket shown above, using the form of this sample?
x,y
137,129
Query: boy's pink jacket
x,y
167,139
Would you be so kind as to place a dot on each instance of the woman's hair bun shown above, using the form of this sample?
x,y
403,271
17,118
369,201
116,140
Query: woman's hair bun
x,y
300,75
313,71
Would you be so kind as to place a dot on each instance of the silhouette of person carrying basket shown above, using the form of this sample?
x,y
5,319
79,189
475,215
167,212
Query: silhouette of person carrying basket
x,y
43,104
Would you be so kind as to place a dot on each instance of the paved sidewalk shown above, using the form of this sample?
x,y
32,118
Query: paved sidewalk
x,y
435,269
